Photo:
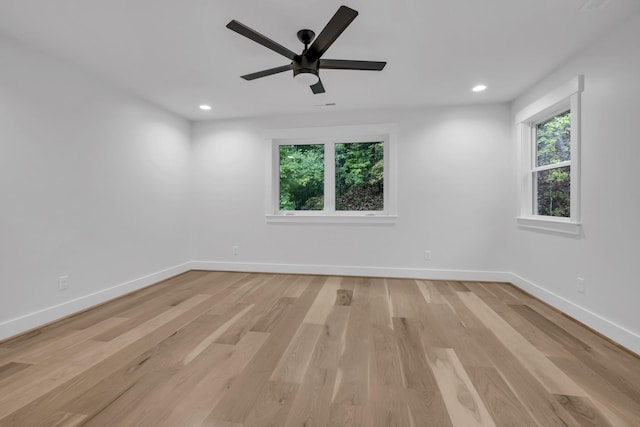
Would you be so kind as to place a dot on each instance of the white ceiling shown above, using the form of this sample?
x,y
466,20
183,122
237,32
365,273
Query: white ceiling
x,y
178,53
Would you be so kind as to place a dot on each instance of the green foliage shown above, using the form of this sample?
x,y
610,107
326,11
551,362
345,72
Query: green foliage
x,y
360,176
301,177
553,144
554,192
553,139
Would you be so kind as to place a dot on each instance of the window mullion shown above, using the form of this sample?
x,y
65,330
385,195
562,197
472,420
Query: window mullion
x,y
552,166
330,177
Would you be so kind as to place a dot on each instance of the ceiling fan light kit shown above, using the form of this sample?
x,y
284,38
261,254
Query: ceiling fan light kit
x,y
306,66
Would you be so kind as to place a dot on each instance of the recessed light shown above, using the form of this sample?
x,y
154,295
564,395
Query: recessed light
x,y
479,88
205,107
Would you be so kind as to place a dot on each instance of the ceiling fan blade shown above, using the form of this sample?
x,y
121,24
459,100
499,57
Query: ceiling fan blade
x,y
344,64
265,73
259,38
340,21
317,88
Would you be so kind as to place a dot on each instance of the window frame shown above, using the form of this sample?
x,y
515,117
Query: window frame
x,y
329,136
563,98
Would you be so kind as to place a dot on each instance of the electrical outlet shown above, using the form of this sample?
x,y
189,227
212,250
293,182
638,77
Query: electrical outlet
x,y
427,255
236,250
63,283
580,285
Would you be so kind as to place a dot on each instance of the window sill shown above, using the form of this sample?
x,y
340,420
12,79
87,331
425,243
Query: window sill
x,y
331,219
548,224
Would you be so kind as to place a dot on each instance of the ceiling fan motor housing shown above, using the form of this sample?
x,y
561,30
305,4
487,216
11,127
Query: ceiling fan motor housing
x,y
302,65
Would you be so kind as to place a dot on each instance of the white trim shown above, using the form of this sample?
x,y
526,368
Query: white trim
x,y
41,317
546,223
613,331
329,136
330,131
609,329
552,166
310,218
359,271
535,111
565,97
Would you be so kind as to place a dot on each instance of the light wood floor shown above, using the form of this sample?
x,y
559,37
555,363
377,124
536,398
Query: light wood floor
x,y
243,350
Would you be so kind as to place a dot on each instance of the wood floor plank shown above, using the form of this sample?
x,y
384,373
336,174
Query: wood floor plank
x,y
332,340
45,378
434,294
316,392
221,330
273,405
295,286
620,377
541,405
65,419
417,373
602,390
101,369
380,307
54,348
583,411
266,322
406,299
535,336
458,286
245,390
503,405
550,328
421,414
310,406
120,305
8,369
324,302
386,386
554,380
168,355
460,327
196,405
294,362
460,396
262,299
236,349
352,383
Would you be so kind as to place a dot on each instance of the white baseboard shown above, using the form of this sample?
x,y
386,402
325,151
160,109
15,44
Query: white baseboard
x,y
617,333
343,270
33,320
613,331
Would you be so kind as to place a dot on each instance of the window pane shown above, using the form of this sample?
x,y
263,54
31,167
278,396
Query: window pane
x,y
301,177
554,192
360,176
553,140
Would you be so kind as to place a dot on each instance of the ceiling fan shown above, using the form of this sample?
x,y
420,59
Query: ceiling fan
x,y
306,65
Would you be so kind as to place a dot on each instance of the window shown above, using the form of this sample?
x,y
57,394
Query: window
x,y
342,174
550,160
552,170
301,177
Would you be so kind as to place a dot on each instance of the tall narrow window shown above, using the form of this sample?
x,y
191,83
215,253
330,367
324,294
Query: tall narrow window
x,y
550,153
552,169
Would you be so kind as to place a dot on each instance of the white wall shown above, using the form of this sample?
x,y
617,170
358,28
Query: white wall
x,y
93,185
606,254
452,167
